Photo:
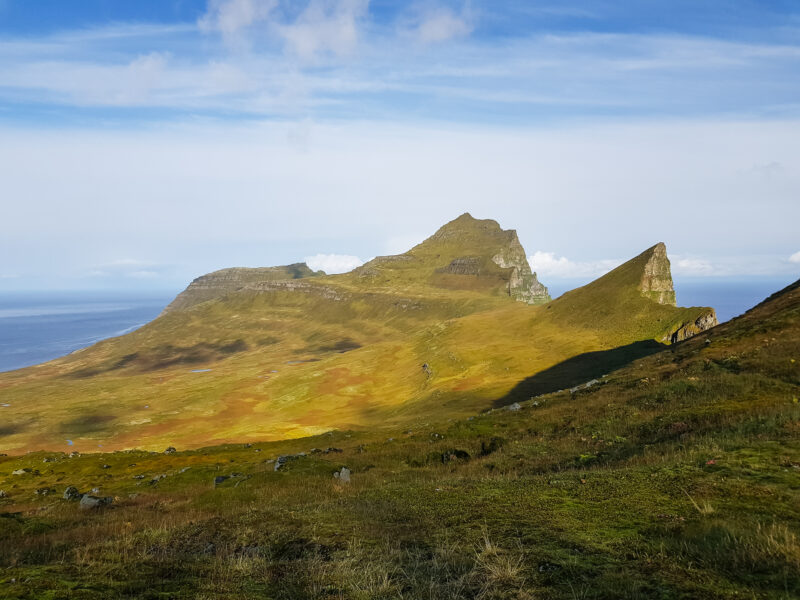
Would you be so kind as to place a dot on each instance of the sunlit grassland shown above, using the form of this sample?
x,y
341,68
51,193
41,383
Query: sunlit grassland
x,y
675,477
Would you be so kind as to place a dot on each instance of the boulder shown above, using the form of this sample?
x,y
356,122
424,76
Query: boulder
x,y
170,450
514,407
3,494
343,475
72,493
219,479
93,502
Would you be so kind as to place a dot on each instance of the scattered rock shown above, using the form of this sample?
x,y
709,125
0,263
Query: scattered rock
x,y
219,479
72,493
74,454
285,458
514,407
329,450
95,491
106,467
157,478
45,491
184,469
92,502
139,476
3,494
24,471
343,475
47,459
170,450
584,386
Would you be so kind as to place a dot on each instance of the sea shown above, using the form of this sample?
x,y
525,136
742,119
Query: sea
x,y
36,326
39,326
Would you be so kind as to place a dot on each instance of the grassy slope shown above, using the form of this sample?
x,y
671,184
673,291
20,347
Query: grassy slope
x,y
339,352
677,477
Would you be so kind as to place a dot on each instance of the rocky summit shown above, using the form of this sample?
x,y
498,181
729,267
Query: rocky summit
x,y
457,324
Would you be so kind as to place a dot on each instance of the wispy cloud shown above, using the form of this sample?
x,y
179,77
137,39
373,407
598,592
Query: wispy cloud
x,y
795,258
127,268
326,58
434,23
547,264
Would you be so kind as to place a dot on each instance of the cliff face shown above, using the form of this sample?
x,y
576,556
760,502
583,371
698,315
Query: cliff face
x,y
656,281
705,321
217,284
523,283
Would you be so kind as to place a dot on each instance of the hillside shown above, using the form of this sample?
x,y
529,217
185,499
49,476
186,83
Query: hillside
x,y
447,329
674,477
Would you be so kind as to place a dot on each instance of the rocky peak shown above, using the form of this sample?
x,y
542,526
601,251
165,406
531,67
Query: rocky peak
x,y
480,247
656,279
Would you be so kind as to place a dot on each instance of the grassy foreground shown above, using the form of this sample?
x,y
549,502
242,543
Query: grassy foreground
x,y
677,476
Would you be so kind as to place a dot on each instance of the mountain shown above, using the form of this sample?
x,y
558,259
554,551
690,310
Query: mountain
x,y
673,477
466,253
451,327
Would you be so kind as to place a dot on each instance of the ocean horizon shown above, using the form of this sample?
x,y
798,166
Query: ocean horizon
x,y
36,327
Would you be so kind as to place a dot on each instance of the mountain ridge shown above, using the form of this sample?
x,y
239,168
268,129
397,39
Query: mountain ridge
x,y
284,352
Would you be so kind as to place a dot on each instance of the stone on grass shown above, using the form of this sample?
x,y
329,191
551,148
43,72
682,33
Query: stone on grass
x,y
514,407
219,479
92,502
72,493
170,450
343,475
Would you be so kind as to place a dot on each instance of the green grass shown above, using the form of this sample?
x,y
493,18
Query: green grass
x,y
675,477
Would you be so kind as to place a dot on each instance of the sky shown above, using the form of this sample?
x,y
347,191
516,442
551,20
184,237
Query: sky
x,y
145,143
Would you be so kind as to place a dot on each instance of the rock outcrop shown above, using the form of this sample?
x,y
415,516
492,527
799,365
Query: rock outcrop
x,y
692,328
656,281
222,282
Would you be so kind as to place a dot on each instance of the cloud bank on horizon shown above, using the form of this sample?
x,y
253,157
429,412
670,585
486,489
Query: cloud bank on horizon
x,y
153,141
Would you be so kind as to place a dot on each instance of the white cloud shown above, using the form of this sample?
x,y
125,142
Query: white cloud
x,y
333,263
547,264
692,266
325,28
126,268
795,258
442,24
230,17
321,28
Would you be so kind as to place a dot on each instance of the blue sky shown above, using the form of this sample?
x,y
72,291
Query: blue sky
x,y
144,143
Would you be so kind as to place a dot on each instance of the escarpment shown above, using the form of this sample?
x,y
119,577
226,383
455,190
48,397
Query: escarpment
x,y
218,283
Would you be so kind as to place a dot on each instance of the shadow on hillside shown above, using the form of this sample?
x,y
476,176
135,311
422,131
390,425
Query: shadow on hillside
x,y
578,369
